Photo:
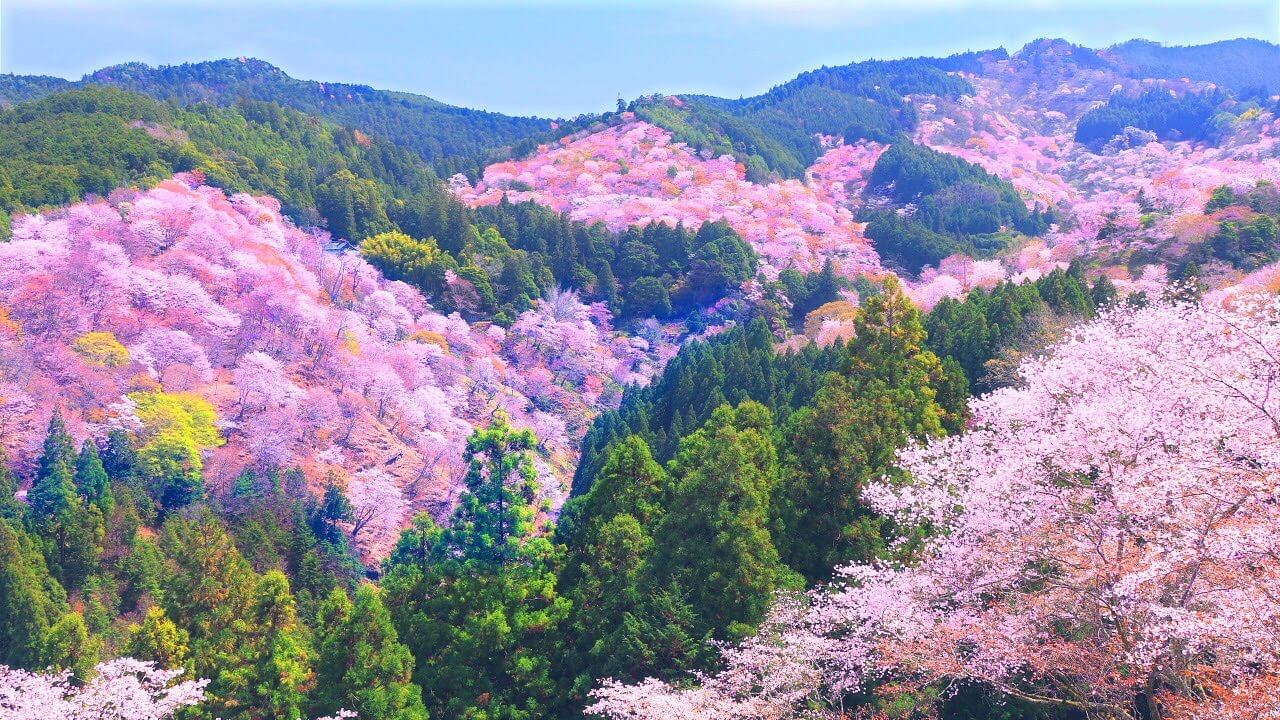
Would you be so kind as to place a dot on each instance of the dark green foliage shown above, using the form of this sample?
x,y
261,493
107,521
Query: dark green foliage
x,y
21,88
278,524
11,509
1183,117
884,394
453,139
611,628
810,292
94,140
477,602
972,331
31,600
203,604
69,528
715,540
774,133
92,481
362,666
908,243
1245,65
959,207
657,270
661,563
737,365
1248,235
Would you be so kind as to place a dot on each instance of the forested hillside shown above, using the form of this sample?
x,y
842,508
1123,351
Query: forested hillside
x,y
908,389
451,139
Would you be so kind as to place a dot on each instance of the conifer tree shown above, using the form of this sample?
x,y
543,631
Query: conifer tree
x,y
53,494
281,673
31,601
91,479
158,640
361,664
481,611
71,532
11,509
608,533
884,395
715,540
69,646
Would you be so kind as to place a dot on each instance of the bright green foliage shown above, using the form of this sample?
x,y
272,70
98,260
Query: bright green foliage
x,y
68,646
477,602
496,513
884,395
361,664
31,601
281,673
157,639
715,540
101,348
631,482
420,263
178,427
141,571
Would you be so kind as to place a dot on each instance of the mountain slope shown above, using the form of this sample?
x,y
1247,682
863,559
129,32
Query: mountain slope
x,y
453,139
1245,65
183,295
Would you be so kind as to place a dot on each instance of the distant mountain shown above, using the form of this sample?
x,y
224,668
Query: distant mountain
x,y
776,132
452,139
1245,66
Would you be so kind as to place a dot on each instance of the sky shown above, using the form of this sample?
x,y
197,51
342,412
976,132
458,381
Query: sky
x,y
559,58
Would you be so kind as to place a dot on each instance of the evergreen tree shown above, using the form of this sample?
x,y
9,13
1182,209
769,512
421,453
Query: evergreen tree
x,y
11,509
31,600
477,601
69,646
71,532
52,495
609,630
714,540
884,395
361,664
496,512
282,672
158,640
91,480
120,457
210,592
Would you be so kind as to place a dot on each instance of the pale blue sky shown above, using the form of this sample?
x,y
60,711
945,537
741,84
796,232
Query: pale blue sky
x,y
563,57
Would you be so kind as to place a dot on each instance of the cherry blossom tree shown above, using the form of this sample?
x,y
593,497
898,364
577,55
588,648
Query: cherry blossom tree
x,y
123,689
1103,541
